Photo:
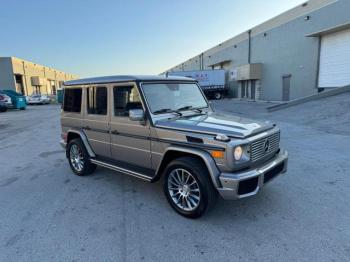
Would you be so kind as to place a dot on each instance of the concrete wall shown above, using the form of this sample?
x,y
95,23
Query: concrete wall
x,y
281,45
10,66
286,50
7,80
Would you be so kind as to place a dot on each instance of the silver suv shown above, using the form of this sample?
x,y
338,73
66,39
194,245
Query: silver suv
x,y
154,127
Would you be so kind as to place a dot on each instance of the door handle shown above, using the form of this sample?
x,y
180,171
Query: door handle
x,y
114,132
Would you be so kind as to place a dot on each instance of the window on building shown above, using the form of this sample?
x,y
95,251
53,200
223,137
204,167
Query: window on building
x,y
126,98
72,100
97,100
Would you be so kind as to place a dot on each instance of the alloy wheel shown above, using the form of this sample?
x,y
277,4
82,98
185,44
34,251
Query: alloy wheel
x,y
184,189
76,157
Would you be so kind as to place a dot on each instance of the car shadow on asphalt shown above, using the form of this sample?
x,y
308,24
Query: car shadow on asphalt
x,y
250,210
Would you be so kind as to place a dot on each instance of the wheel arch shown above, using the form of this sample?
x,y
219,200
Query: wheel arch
x,y
72,134
174,152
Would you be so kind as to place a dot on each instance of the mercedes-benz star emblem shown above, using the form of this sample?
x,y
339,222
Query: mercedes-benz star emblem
x,y
267,145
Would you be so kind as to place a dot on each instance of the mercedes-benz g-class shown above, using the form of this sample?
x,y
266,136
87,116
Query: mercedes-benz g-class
x,y
158,127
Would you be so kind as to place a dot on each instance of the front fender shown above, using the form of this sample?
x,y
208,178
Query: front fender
x,y
214,172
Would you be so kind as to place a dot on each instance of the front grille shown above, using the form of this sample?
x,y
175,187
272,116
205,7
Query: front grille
x,y
264,146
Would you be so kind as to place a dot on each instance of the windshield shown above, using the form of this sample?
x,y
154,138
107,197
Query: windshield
x,y
168,97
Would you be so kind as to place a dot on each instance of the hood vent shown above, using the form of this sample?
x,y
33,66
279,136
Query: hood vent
x,y
192,139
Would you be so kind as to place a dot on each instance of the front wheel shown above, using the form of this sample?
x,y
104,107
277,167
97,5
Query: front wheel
x,y
217,95
78,158
188,188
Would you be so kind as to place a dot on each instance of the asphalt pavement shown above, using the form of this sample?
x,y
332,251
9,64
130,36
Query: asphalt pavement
x,y
49,214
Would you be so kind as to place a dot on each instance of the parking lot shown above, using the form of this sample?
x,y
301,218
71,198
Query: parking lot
x,y
49,214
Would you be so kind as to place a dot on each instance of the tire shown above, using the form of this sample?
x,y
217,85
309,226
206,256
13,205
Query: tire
x,y
197,195
217,95
81,166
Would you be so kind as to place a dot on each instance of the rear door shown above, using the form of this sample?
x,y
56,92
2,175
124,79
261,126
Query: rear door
x,y
96,119
130,141
72,113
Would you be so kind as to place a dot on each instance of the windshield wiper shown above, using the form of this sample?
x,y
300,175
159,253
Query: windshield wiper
x,y
199,110
166,110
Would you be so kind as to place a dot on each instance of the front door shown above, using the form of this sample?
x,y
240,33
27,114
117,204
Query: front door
x,y
96,119
252,89
130,141
286,87
243,89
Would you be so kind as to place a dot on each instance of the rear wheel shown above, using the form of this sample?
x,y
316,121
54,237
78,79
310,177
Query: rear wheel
x,y
188,188
79,159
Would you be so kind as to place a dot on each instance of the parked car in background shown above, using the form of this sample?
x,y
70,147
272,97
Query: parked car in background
x,y
3,107
6,100
18,100
36,99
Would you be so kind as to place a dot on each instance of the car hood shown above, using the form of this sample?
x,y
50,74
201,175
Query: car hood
x,y
216,123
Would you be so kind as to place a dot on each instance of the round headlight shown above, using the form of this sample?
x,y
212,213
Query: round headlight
x,y
238,152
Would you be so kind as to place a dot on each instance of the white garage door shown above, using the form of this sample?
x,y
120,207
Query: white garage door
x,y
335,60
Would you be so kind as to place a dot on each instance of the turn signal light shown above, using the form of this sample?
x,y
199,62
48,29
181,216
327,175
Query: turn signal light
x,y
217,154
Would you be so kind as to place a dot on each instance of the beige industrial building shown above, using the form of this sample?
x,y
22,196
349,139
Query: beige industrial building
x,y
27,78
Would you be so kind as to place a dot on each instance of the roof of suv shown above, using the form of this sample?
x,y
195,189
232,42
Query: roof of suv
x,y
124,78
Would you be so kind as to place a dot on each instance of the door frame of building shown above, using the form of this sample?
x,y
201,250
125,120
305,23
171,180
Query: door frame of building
x,y
286,87
19,84
253,89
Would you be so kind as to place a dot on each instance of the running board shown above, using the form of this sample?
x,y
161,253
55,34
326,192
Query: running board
x,y
122,170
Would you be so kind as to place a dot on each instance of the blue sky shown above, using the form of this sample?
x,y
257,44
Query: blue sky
x,y
105,37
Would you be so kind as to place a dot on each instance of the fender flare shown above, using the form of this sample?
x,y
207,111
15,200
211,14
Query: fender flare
x,y
85,141
213,170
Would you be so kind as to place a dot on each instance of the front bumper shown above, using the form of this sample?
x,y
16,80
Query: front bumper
x,y
244,184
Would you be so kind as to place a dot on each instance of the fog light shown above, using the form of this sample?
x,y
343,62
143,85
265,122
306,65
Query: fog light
x,y
238,152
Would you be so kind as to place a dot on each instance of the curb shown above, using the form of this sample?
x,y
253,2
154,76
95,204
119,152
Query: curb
x,y
332,92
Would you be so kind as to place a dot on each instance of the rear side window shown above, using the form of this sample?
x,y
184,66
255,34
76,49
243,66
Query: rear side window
x,y
97,100
72,100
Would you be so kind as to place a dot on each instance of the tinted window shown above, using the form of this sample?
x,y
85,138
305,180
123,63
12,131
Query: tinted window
x,y
125,98
72,100
97,100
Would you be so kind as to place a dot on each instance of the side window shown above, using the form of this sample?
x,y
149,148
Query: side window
x,y
125,98
72,100
97,100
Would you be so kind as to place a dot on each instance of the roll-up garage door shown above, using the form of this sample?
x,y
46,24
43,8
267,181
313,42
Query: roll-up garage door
x,y
335,60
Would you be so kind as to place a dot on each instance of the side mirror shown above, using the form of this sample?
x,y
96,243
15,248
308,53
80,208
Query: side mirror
x,y
136,115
